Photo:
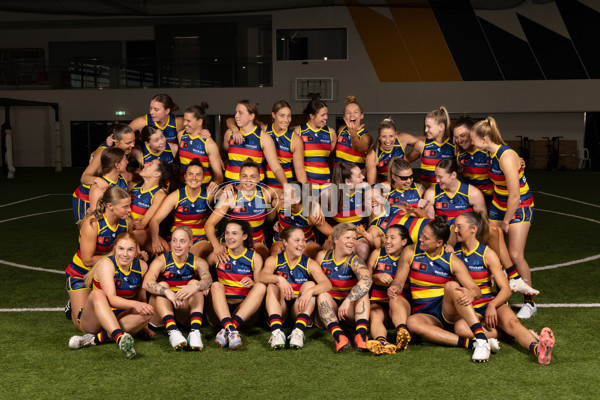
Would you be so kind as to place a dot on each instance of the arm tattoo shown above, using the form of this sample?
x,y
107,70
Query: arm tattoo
x,y
364,280
205,280
326,312
155,288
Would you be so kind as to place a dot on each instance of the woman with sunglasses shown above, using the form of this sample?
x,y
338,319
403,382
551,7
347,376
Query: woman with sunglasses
x,y
403,189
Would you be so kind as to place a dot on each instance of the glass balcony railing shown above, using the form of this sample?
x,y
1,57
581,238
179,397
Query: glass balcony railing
x,y
137,73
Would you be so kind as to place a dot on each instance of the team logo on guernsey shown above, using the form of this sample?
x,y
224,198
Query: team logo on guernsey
x,y
394,201
429,153
464,161
385,223
169,275
383,267
103,240
183,209
342,139
441,205
231,141
119,283
282,274
184,145
307,139
327,271
240,209
418,265
381,163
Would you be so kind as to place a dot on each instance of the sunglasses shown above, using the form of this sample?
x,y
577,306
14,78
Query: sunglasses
x,y
403,178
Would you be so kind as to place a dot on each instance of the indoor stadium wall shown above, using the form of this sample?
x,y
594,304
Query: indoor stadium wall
x,y
529,107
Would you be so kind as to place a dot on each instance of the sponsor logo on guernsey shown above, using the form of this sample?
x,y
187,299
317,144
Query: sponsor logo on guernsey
x,y
418,265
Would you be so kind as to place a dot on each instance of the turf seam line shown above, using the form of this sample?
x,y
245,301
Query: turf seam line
x,y
32,268
33,215
567,198
34,198
591,258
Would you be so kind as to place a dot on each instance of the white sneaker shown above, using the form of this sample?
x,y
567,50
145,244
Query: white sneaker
x,y
481,350
277,339
519,285
494,345
195,340
77,342
527,311
177,340
297,339
221,338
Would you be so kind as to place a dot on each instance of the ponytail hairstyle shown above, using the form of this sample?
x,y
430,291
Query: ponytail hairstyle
x,y
251,106
165,173
112,195
440,116
386,123
119,130
109,158
488,128
246,230
341,172
439,227
147,132
464,120
351,99
396,166
450,165
313,107
287,232
166,101
480,221
402,230
199,112
89,277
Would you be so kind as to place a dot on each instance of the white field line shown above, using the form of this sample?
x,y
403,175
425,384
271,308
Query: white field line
x,y
568,215
550,305
591,258
567,198
12,264
33,215
561,305
34,198
31,309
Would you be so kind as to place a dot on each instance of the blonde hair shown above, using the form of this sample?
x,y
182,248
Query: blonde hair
x,y
351,99
112,195
440,116
488,128
342,228
186,229
89,277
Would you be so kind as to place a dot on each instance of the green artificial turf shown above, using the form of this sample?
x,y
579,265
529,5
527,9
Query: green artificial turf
x,y
37,363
